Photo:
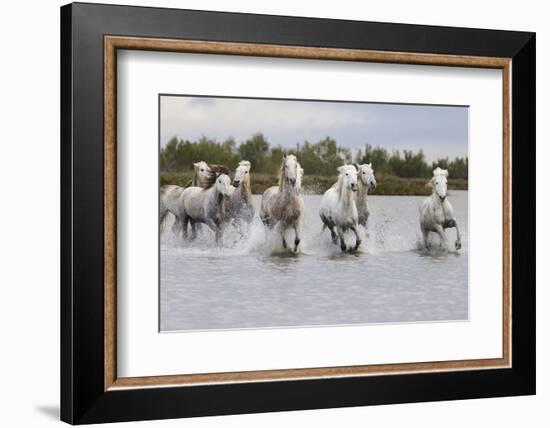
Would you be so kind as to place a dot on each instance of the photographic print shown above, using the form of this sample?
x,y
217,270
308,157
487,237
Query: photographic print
x,y
279,213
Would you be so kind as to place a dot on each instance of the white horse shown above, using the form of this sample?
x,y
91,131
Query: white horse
x,y
239,206
338,209
365,181
283,205
198,205
436,212
204,175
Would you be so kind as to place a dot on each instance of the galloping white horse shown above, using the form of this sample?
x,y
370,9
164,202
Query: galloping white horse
x,y
436,212
198,205
366,181
338,209
239,206
204,175
283,205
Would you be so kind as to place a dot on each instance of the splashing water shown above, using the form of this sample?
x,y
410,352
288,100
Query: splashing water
x,y
251,281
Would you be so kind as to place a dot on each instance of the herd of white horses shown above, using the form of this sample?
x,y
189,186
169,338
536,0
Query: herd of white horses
x,y
214,199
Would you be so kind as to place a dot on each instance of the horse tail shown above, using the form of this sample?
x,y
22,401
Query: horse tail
x,y
162,214
163,222
163,210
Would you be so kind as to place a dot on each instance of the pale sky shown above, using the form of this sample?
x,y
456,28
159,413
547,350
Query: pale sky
x,y
440,131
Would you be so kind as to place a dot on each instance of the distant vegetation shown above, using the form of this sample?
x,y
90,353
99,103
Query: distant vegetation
x,y
398,173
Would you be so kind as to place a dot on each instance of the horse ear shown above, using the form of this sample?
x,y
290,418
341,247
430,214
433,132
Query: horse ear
x,y
369,165
445,172
340,168
196,164
356,166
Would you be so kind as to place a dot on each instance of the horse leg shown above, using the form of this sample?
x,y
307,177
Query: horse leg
x,y
441,232
184,223
297,238
341,236
458,242
327,223
176,226
193,229
162,219
333,235
357,239
219,232
426,234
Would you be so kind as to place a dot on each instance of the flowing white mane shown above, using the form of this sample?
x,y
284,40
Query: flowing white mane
x,y
349,169
440,171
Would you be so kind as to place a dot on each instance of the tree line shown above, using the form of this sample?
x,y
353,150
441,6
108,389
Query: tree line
x,y
320,158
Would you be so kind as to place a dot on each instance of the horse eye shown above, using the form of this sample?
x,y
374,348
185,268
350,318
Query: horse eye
x,y
347,173
202,169
246,172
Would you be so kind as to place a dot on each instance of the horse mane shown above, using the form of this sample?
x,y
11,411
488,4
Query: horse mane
x,y
439,171
281,175
300,176
215,172
339,186
246,182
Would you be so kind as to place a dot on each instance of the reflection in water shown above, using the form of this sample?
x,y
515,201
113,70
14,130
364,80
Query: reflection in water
x,y
254,282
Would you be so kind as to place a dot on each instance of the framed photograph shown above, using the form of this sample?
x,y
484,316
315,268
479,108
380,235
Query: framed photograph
x,y
265,213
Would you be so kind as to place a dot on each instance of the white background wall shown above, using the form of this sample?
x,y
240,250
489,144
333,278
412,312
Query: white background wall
x,y
29,213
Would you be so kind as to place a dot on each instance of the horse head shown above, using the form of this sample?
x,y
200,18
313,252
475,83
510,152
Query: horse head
x,y
366,175
439,182
242,173
223,184
348,177
202,173
290,170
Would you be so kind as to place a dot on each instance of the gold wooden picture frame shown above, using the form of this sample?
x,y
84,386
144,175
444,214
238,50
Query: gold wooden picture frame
x,y
114,43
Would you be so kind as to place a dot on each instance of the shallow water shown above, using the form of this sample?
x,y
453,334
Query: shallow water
x,y
253,282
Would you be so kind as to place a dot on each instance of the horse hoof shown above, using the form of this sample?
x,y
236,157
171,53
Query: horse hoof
x,y
458,245
343,247
357,244
284,243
